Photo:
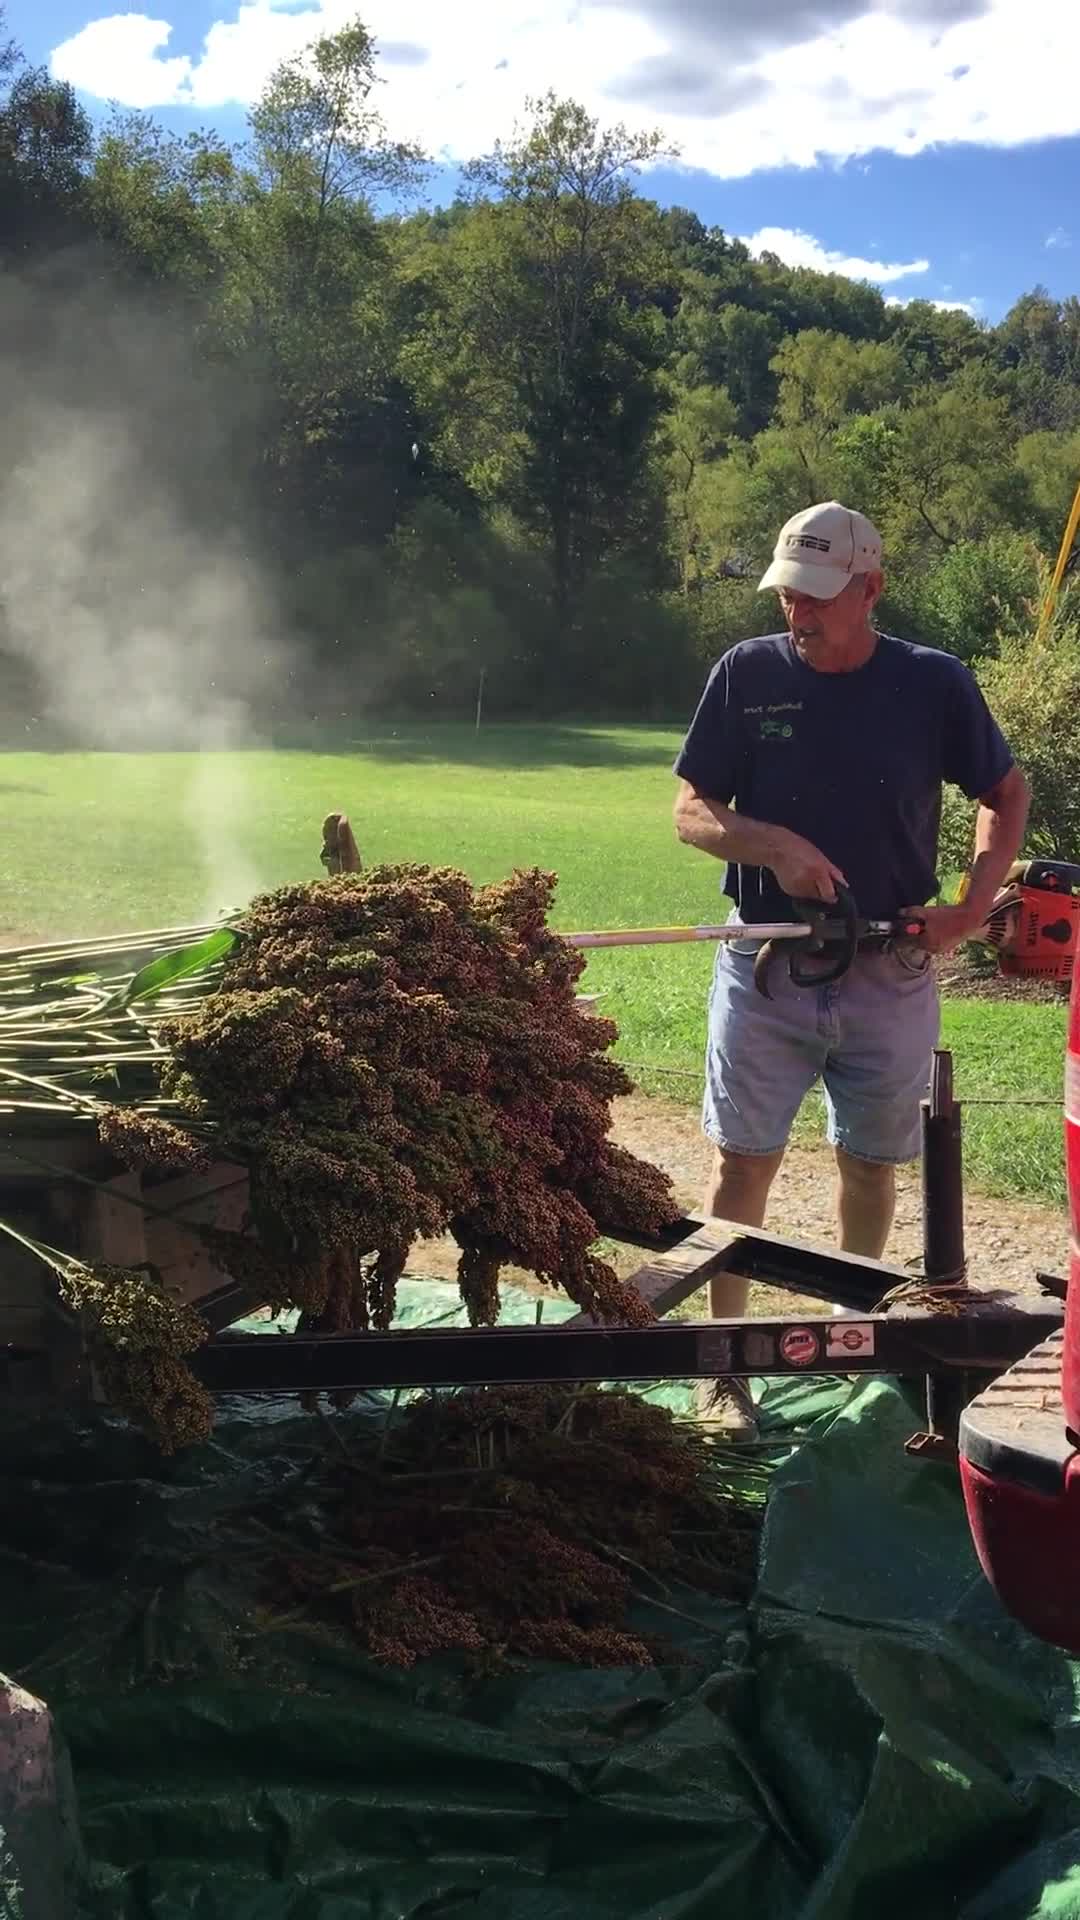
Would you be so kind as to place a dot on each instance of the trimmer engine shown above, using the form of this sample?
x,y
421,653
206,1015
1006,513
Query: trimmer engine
x,y
1034,924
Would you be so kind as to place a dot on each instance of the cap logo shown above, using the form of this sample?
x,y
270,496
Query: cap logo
x,y
808,540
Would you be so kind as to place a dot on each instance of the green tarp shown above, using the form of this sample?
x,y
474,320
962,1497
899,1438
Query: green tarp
x,y
872,1738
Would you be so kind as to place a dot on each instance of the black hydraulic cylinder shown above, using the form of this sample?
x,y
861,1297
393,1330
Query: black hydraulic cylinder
x,y
943,1225
942,1177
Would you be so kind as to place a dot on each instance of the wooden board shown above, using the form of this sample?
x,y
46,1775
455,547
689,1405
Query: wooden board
x,y
670,1278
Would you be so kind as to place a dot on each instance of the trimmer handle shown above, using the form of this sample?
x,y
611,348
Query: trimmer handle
x,y
1045,876
818,913
821,917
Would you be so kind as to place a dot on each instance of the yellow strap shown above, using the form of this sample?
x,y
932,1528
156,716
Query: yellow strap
x,y
1072,527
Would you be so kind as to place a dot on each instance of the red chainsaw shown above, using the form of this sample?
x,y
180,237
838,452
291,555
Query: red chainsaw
x,y
1034,922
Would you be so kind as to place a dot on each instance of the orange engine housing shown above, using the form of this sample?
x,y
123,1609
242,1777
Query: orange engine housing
x,y
1036,933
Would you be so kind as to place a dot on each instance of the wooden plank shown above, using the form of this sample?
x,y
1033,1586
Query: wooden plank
x,y
114,1230
218,1199
77,1149
672,1277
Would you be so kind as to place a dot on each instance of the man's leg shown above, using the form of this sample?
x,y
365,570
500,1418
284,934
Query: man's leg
x,y
865,1204
762,1057
737,1189
877,1073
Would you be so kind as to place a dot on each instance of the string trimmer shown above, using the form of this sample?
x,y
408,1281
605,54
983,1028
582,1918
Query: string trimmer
x,y
835,932
1032,926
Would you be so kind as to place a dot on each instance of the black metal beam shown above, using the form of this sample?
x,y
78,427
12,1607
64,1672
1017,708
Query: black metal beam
x,y
986,1340
820,1273
227,1304
661,1241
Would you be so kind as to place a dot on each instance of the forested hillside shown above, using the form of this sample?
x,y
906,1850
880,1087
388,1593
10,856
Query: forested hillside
x,y
547,432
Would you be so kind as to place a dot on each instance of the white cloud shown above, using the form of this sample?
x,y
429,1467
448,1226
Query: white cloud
x,y
973,307
128,49
1059,238
797,249
739,87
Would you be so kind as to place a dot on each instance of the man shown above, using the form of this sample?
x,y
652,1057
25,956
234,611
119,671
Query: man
x,y
818,755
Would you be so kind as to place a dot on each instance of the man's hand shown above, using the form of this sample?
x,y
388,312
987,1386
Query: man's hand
x,y
803,871
800,868
944,927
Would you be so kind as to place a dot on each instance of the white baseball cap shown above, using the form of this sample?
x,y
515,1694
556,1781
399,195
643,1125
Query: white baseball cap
x,y
820,549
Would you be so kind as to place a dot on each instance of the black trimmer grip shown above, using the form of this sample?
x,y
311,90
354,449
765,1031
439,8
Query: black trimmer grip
x,y
816,913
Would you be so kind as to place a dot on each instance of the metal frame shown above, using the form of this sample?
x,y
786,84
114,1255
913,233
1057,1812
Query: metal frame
x,y
980,1333
951,1336
945,1333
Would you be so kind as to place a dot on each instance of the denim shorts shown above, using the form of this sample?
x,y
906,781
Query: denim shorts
x,y
868,1037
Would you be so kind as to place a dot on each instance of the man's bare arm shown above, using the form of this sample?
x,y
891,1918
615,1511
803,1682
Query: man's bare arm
x,y
999,833
800,868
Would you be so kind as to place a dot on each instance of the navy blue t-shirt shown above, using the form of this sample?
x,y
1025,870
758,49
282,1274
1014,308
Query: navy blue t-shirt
x,y
852,761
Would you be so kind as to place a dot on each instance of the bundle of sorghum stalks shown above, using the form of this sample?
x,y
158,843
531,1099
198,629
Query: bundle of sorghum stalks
x,y
389,1055
520,1521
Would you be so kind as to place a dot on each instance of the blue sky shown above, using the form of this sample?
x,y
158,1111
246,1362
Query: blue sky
x,y
930,145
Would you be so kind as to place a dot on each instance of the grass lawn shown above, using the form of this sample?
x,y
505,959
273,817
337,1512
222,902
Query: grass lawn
x,y
97,842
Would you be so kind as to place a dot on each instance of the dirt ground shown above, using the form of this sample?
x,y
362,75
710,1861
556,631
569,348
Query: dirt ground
x,y
1008,1241
975,977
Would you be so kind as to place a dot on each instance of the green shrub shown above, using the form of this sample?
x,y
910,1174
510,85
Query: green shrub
x,y
1033,687
973,591
724,611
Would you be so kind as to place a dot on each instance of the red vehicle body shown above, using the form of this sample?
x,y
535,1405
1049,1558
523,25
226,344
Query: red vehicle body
x,y
1020,1441
1070,1371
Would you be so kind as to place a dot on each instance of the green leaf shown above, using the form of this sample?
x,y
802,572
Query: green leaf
x,y
161,973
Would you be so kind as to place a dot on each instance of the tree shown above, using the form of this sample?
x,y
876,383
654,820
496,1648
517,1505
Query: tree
x,y
754,491
548,339
697,432
307,295
1049,464
748,343
946,474
866,453
1038,346
825,377
936,342
1036,333
974,590
316,134
552,428
46,141
163,203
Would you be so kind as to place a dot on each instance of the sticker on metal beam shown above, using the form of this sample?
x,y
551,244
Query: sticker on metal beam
x,y
799,1347
759,1349
850,1339
714,1352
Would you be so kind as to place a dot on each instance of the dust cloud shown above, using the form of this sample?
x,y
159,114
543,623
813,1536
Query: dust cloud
x,y
132,598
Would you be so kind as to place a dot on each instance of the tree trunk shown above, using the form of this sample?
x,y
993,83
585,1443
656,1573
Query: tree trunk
x,y
562,593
